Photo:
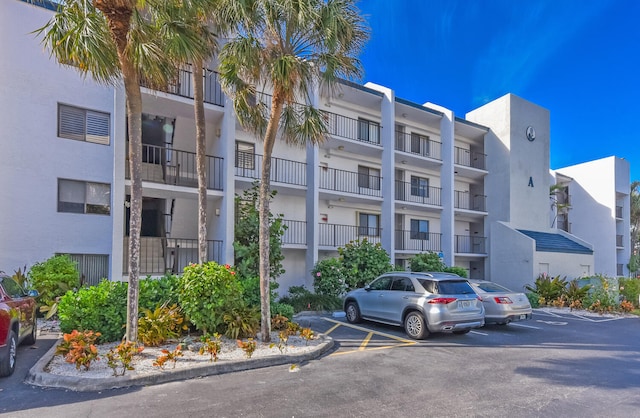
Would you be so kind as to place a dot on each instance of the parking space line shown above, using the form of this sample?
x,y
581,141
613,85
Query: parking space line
x,y
523,326
331,329
383,347
478,332
382,334
365,341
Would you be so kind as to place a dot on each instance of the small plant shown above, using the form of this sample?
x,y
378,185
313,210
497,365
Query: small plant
x,y
241,322
21,277
279,322
79,348
576,294
122,356
161,324
248,346
626,306
53,278
283,337
307,334
211,347
547,288
168,355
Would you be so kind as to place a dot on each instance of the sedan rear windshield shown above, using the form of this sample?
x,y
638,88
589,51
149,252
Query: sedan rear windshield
x,y
492,288
447,287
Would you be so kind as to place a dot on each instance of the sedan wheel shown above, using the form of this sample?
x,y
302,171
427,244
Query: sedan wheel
x,y
415,326
353,313
8,364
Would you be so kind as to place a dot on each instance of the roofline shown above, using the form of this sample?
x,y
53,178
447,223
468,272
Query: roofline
x,y
360,87
418,106
473,124
45,4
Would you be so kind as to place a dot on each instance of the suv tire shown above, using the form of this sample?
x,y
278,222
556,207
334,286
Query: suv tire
x,y
415,326
353,313
8,364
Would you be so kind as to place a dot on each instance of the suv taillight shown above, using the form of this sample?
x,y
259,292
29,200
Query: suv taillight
x,y
502,299
442,300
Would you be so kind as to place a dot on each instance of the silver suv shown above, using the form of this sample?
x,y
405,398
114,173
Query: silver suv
x,y
421,302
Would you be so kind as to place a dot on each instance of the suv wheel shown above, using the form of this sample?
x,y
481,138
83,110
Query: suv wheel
x,y
415,326
8,364
353,313
31,338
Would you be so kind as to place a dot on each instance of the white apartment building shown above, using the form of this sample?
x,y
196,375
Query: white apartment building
x,y
413,177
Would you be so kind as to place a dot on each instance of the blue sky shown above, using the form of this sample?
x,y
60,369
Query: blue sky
x,y
580,59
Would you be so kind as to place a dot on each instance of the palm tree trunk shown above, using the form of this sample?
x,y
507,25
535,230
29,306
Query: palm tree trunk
x,y
265,189
118,14
198,103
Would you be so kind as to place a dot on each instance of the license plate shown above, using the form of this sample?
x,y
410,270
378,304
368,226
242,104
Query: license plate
x,y
465,304
523,316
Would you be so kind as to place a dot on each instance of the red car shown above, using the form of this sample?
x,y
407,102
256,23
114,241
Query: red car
x,y
17,321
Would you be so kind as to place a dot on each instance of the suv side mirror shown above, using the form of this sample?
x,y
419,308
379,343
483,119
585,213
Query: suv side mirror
x,y
33,293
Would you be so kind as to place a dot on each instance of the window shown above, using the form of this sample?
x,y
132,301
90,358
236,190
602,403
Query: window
x,y
419,186
402,284
12,287
84,197
245,153
419,144
368,225
382,283
419,229
368,178
83,125
368,131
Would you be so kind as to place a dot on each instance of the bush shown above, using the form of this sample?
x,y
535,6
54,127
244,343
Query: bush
x,y
53,278
630,290
303,300
103,307
329,278
251,290
208,291
547,288
426,262
362,262
158,325
282,309
602,297
460,271
534,299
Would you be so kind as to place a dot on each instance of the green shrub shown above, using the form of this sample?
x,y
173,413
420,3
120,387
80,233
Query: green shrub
x,y
283,309
241,322
103,307
630,289
208,291
460,271
426,262
534,299
602,296
547,288
53,278
161,324
251,290
576,294
329,278
303,300
363,261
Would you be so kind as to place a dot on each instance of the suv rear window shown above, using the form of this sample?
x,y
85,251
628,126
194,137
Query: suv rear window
x,y
447,287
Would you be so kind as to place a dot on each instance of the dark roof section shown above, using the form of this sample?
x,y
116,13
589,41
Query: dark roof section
x,y
468,122
555,243
359,87
418,106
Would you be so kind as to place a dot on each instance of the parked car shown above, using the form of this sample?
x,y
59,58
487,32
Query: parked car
x,y
420,302
17,321
501,305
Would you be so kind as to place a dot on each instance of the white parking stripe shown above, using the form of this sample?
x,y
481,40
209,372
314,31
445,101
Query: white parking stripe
x,y
523,326
478,332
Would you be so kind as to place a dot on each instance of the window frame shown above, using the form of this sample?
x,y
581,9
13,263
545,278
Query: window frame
x,y
419,186
367,178
247,162
66,126
365,132
364,228
87,207
417,231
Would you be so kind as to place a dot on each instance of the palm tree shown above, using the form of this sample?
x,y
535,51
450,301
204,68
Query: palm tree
x,y
188,32
635,215
113,42
287,46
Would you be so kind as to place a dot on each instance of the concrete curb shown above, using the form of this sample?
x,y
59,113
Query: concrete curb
x,y
37,375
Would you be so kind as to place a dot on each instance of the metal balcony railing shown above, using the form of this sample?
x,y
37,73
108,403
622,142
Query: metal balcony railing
x,y
182,85
350,182
466,244
296,232
418,144
335,235
169,255
178,168
408,192
249,165
418,241
468,158
469,201
361,130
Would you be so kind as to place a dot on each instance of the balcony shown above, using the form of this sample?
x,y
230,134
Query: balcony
x,y
295,233
177,168
418,241
350,182
620,241
159,256
361,130
334,235
413,193
249,165
418,145
469,158
466,244
619,214
468,201
182,85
